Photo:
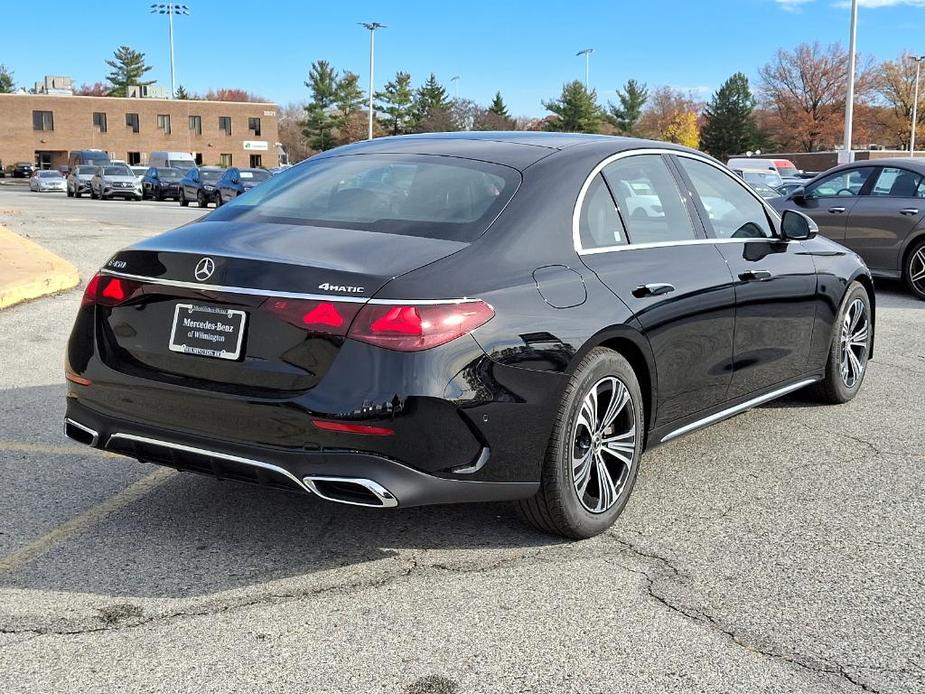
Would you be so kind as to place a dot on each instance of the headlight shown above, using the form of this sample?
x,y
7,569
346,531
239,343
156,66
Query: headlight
x,y
208,187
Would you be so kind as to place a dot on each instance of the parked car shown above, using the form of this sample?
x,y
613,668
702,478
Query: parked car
x,y
23,169
875,208
235,182
199,184
78,180
139,171
47,180
784,167
768,177
766,192
115,181
472,334
87,157
172,160
161,183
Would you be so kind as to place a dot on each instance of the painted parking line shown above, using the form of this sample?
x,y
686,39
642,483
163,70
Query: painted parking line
x,y
53,449
85,520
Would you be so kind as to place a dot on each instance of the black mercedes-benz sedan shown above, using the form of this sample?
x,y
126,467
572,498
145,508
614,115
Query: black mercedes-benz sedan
x,y
464,317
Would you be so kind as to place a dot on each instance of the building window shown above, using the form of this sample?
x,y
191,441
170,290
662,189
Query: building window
x,y
253,124
131,121
198,157
134,158
224,124
195,124
163,122
43,120
224,160
99,121
256,161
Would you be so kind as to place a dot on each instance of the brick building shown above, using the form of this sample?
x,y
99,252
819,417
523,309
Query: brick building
x,y
44,128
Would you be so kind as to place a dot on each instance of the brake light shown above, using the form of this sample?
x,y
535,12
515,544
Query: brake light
x,y
351,428
91,290
331,318
108,291
415,327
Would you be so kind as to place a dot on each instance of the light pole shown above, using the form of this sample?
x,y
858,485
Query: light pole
x,y
915,103
586,52
170,9
455,81
372,26
849,100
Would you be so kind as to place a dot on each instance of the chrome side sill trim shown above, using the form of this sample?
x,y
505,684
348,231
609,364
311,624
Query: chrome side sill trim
x,y
204,451
96,437
386,497
748,404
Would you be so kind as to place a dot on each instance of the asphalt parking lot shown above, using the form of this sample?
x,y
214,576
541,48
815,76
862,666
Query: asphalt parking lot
x,y
781,551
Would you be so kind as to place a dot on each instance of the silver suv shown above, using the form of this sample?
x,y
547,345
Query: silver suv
x,y
115,181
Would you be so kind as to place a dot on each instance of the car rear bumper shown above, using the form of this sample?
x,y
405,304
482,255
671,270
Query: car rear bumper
x,y
343,476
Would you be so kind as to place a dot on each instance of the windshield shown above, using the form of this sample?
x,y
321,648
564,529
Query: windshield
x,y
117,171
50,174
254,176
170,174
787,169
414,195
210,175
86,170
185,164
768,179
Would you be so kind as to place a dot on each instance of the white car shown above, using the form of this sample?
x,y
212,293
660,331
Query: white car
x,y
115,181
139,172
47,180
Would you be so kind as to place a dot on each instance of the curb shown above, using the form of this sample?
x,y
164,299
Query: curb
x,y
28,271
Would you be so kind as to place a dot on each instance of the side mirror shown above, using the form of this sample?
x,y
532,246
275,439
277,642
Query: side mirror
x,y
798,195
796,226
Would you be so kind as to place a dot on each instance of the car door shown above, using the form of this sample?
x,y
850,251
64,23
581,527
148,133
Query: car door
x,y
149,181
829,200
658,262
191,185
881,221
775,281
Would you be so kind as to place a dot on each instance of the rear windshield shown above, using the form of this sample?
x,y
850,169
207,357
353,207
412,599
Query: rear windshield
x,y
117,171
170,174
414,195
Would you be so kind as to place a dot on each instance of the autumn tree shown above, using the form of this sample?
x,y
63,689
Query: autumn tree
x,y
318,124
290,133
6,80
95,89
805,91
128,68
896,86
575,111
632,98
394,104
729,125
671,115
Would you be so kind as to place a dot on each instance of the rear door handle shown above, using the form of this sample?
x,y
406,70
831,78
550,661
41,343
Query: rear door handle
x,y
753,275
909,211
653,289
836,210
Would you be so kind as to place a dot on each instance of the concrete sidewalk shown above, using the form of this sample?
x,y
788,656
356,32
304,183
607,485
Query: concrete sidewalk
x,y
28,271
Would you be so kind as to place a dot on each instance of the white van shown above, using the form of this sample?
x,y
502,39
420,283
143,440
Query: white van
x,y
172,160
784,167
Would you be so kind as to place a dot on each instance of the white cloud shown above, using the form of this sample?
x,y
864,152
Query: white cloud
x,y
792,5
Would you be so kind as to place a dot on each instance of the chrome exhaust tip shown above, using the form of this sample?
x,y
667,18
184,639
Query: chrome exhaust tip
x,y
80,433
355,491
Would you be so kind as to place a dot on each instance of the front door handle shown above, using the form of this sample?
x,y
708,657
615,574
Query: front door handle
x,y
753,275
836,210
653,289
909,211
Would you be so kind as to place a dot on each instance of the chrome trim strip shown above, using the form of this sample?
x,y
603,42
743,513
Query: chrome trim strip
x,y
384,495
205,451
280,295
94,434
576,211
748,404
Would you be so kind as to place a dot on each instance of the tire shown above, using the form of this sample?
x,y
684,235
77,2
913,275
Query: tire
x,y
183,201
218,201
839,387
201,199
138,197
77,193
158,195
560,507
70,193
914,270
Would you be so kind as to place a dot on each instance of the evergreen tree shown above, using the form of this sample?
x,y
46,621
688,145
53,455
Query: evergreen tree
x,y
6,80
632,98
394,104
431,105
319,125
181,93
128,68
498,107
729,122
576,110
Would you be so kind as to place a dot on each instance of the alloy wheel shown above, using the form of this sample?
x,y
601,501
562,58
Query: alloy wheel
x,y
855,338
603,444
917,270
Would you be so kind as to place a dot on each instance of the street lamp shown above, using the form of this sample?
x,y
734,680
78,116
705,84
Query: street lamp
x,y
586,52
849,100
372,26
455,81
915,102
170,9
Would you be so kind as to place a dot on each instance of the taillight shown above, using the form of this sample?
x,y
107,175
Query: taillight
x,y
351,428
415,327
109,291
90,292
327,317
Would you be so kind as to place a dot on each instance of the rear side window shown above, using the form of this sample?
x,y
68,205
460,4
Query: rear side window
x,y
733,212
414,195
649,200
599,224
845,183
898,183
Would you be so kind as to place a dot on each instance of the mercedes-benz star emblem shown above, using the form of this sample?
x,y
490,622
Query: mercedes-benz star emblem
x,y
204,269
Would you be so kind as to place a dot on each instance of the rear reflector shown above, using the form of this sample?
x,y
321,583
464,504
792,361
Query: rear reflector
x,y
412,328
79,380
350,428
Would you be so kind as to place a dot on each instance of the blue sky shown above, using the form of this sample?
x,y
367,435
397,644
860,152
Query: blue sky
x,y
526,50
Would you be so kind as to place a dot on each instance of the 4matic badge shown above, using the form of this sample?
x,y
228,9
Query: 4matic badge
x,y
328,287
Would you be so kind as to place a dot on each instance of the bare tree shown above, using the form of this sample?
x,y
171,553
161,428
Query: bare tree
x,y
290,132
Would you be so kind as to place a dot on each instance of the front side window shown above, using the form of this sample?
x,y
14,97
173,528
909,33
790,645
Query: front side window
x,y
599,224
99,121
845,183
163,122
649,200
898,183
43,120
733,212
411,195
